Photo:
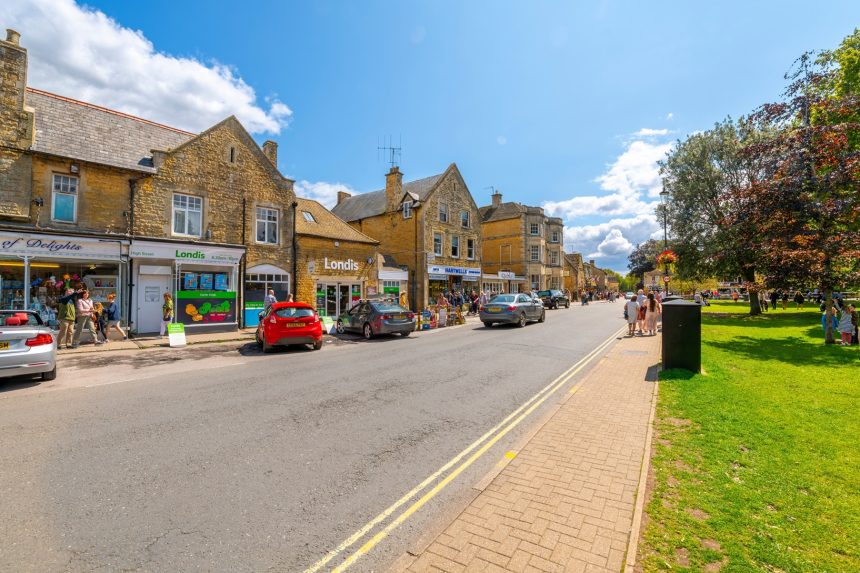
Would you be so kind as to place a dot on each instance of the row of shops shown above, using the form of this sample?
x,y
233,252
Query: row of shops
x,y
206,281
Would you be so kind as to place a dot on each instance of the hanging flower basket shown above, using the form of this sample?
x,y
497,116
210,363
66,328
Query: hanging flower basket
x,y
667,258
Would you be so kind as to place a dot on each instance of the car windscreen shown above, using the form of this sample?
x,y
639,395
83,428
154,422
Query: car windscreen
x,y
294,312
387,307
503,298
544,293
19,318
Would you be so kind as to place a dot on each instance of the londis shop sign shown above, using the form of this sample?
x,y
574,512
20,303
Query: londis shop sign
x,y
186,253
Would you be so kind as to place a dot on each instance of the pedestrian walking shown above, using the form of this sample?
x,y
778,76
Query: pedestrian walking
x,y
762,300
774,296
735,296
113,318
632,308
100,320
84,319
785,300
66,316
166,313
652,312
846,325
269,299
798,300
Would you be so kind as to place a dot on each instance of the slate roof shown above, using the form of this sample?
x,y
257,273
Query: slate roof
x,y
79,130
373,203
509,210
327,224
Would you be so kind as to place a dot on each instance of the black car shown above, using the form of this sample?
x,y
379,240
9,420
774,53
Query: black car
x,y
554,298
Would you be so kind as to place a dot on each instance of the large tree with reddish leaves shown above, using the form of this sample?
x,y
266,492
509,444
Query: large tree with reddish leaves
x,y
807,207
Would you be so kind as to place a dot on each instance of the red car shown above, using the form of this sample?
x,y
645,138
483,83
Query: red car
x,y
286,323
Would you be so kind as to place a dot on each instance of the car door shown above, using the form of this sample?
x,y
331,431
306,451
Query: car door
x,y
524,303
352,318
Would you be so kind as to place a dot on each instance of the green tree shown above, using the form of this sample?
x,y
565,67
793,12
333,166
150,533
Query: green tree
x,y
641,259
706,218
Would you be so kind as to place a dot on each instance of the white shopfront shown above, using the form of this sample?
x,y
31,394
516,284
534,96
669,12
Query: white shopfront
x,y
505,281
203,280
36,269
442,278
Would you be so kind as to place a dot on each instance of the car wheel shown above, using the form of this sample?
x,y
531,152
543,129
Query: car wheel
x,y
339,327
368,331
267,348
50,375
259,342
317,345
542,316
567,305
522,321
405,334
488,324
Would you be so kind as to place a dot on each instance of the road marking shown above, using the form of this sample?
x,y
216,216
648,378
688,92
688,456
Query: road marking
x,y
510,455
499,430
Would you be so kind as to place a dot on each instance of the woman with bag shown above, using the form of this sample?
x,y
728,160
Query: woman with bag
x,y
166,313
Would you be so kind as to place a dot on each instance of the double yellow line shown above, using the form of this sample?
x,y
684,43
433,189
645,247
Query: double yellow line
x,y
488,440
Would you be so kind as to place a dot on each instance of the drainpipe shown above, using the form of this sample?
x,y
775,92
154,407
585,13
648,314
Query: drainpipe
x,y
295,285
132,192
240,288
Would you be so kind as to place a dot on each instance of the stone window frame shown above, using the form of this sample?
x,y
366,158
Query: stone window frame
x,y
407,209
534,229
70,181
553,257
534,253
231,155
258,220
467,224
173,230
443,212
441,244
554,237
470,246
455,239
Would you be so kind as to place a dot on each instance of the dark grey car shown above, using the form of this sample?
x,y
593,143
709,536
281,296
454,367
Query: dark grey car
x,y
377,317
512,309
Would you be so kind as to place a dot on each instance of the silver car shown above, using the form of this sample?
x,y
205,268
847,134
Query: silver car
x,y
377,317
27,345
512,309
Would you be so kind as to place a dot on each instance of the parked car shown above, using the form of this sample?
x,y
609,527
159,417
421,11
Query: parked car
x,y
377,317
554,298
512,309
27,345
286,323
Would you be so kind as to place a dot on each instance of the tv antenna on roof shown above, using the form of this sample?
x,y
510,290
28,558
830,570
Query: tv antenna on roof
x,y
389,149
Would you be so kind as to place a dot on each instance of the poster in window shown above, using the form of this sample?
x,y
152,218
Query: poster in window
x,y
190,282
220,281
205,281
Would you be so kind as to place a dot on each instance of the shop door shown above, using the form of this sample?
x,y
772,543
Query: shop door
x,y
150,297
343,297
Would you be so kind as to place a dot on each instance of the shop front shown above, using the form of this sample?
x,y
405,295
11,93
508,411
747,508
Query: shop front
x,y
504,282
36,269
203,280
441,279
339,285
259,280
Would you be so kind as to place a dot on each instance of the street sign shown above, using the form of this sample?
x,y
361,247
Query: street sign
x,y
176,334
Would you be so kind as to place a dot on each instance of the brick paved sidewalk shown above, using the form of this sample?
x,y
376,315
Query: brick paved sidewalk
x,y
566,501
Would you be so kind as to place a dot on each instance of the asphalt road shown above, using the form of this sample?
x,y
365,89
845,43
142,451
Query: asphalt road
x,y
220,458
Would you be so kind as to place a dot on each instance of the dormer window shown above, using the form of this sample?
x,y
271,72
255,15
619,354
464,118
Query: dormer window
x,y
407,209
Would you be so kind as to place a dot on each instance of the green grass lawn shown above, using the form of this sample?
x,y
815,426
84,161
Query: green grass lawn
x,y
757,461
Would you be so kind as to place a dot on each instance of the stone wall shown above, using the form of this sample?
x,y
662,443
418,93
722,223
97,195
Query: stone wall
x,y
504,247
16,132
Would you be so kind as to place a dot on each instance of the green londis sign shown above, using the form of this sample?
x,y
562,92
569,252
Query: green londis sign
x,y
175,328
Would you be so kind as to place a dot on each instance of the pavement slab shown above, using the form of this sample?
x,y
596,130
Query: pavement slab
x,y
567,500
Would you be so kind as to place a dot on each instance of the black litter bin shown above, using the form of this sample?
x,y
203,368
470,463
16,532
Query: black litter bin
x,y
682,335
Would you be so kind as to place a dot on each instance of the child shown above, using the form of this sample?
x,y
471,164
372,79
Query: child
x,y
846,326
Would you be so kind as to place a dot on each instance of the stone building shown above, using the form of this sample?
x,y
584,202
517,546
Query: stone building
x,y
338,265
135,208
595,278
522,247
431,226
574,274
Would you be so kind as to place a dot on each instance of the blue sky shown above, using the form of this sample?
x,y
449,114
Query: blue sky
x,y
562,104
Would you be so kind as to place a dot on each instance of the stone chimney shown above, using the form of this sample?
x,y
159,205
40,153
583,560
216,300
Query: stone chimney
x,y
393,189
591,262
341,195
497,199
13,37
270,149
16,129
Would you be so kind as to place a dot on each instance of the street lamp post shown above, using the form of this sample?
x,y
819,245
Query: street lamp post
x,y
664,198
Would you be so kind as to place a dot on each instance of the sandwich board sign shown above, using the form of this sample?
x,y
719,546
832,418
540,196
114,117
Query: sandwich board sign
x,y
176,334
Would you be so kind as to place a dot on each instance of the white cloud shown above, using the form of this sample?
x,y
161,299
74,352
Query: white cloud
x,y
670,116
81,53
648,132
612,245
325,193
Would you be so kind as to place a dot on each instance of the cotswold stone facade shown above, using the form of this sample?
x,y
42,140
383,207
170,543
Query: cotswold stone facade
x,y
16,131
431,226
523,240
225,168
